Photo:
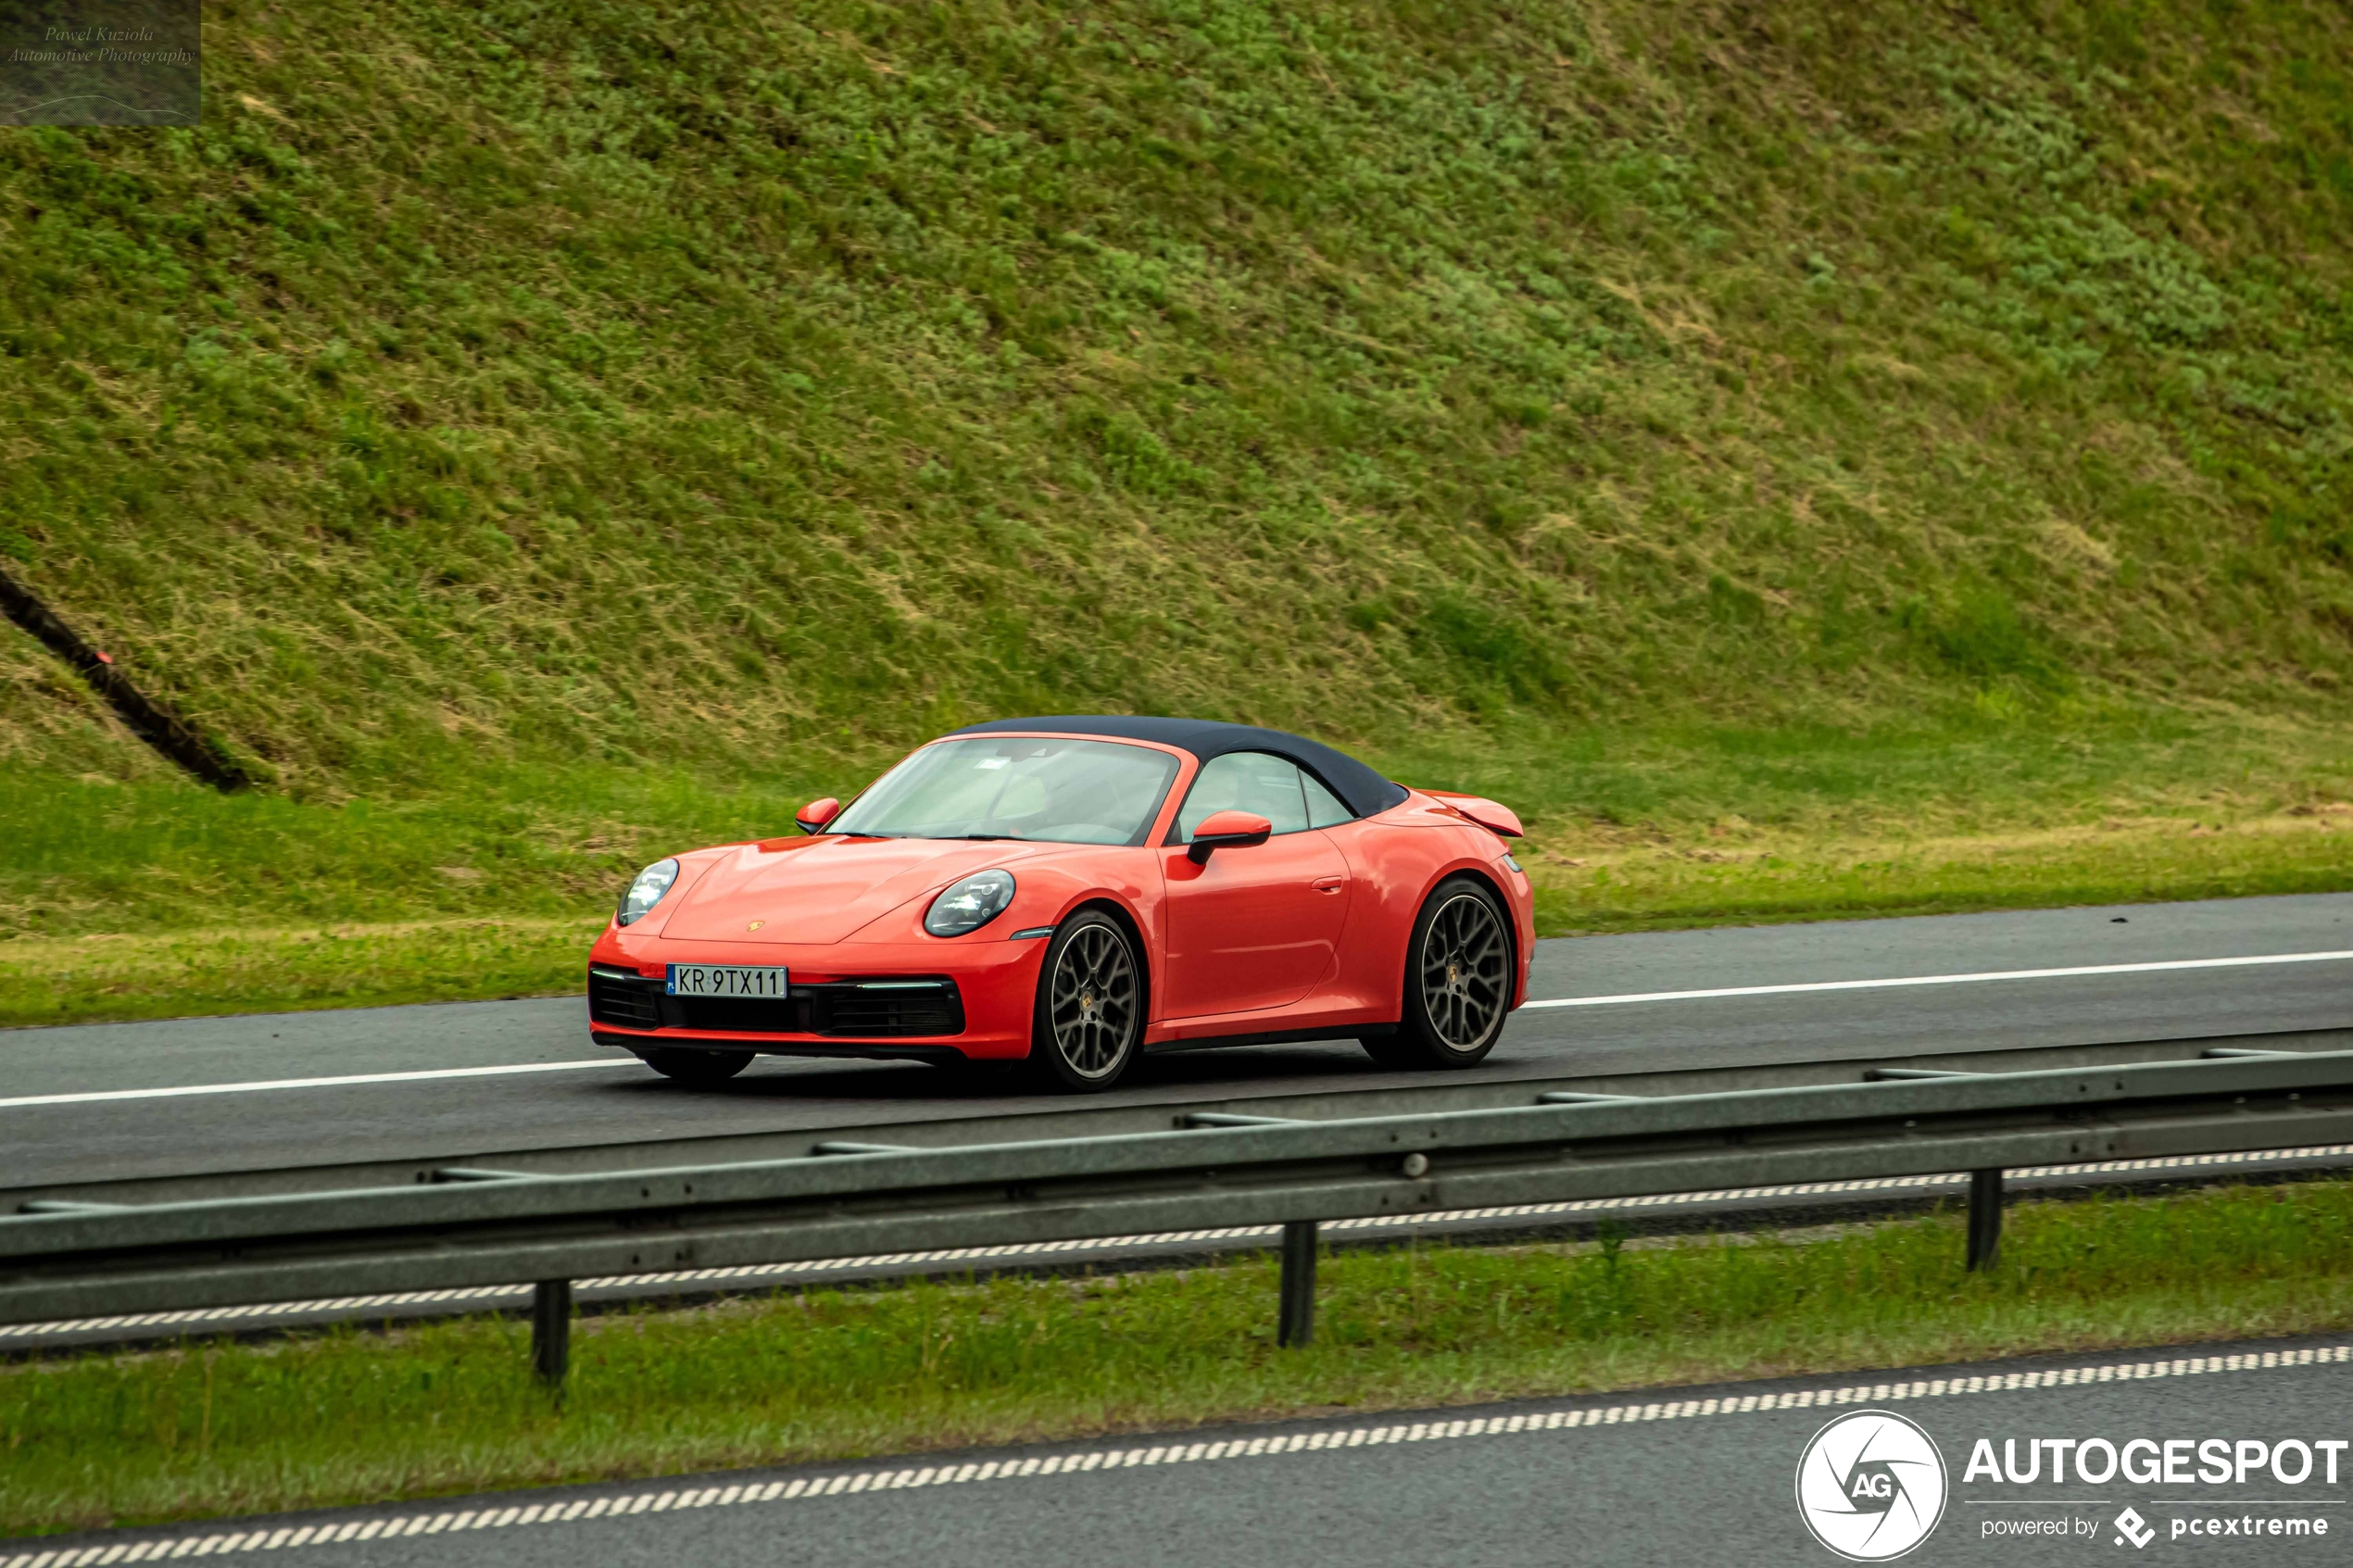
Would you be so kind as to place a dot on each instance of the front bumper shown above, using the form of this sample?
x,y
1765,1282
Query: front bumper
x,y
939,1000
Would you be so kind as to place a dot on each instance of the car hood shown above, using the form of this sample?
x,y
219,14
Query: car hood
x,y
821,889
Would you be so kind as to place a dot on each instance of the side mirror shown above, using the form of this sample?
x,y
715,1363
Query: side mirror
x,y
1228,830
817,813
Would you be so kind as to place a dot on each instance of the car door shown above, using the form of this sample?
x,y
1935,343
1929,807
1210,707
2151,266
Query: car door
x,y
1253,927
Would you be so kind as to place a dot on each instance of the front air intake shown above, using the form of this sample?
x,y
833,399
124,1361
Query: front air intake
x,y
883,1010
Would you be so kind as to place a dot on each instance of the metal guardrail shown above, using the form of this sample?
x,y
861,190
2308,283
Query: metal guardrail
x,y
488,1226
931,1118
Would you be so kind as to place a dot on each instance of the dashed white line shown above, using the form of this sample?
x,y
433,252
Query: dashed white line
x,y
2074,972
480,1297
1435,1428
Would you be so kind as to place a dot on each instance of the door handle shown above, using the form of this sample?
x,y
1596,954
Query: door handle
x,y
1330,883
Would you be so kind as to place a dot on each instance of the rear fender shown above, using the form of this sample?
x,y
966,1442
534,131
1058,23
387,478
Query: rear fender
x,y
1398,864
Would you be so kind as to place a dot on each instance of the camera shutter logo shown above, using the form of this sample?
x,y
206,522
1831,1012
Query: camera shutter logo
x,y
1871,1486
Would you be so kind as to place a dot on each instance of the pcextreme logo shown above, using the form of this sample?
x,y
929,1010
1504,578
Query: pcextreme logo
x,y
1870,1486
2131,1526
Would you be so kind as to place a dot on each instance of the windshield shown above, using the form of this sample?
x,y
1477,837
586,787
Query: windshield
x,y
1055,790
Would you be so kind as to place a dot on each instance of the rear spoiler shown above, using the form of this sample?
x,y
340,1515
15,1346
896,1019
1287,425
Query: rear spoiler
x,y
1497,819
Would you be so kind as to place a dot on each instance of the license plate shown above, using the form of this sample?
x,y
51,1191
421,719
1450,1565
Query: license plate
x,y
727,979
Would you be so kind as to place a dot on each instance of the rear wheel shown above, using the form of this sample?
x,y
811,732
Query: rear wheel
x,y
1458,981
1090,1006
694,1067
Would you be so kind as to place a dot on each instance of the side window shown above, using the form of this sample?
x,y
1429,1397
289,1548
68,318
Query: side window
x,y
1324,809
1245,780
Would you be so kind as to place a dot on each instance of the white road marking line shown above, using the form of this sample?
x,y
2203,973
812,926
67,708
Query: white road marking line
x,y
1941,979
487,1295
311,1083
894,1479
427,1074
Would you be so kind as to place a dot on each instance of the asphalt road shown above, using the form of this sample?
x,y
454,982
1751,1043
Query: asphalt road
x,y
1667,1476
523,1074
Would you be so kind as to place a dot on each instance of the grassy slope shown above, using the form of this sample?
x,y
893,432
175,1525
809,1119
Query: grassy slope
x,y
571,426
451,1408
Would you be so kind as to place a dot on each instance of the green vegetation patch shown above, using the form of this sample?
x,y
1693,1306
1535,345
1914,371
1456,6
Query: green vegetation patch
x,y
191,973
672,379
351,1417
159,898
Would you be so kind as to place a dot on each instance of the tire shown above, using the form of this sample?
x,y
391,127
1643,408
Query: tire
x,y
1090,1019
1459,973
701,1069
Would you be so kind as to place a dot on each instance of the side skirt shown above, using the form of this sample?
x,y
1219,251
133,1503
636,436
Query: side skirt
x,y
1271,1037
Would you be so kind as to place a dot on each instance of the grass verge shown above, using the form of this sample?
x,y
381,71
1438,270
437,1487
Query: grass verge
x,y
1756,878
97,978
224,1428
152,899
1581,890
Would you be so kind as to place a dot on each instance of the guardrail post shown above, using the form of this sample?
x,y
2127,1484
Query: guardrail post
x,y
1985,1218
1295,1322
551,1330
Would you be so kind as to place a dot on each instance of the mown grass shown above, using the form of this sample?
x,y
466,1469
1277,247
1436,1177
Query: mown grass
x,y
1774,878
351,1417
155,898
196,974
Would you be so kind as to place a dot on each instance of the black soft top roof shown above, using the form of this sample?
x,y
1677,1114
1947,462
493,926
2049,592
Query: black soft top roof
x,y
1359,788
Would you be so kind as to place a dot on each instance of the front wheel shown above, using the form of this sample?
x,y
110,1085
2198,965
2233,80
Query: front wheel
x,y
698,1067
1458,982
1090,1006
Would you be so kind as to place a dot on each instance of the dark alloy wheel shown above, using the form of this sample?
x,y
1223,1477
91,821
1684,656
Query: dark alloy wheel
x,y
1458,981
1090,1005
694,1067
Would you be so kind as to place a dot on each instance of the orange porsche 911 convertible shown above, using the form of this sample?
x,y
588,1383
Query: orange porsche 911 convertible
x,y
1072,893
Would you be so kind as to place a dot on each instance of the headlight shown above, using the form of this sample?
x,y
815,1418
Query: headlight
x,y
645,892
970,904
